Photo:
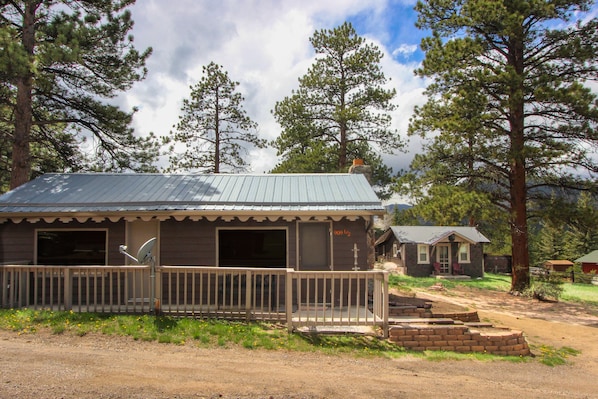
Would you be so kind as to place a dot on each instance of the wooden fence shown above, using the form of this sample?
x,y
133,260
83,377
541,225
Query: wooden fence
x,y
325,298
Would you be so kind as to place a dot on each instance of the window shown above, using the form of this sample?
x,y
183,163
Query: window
x,y
252,248
71,247
423,253
464,252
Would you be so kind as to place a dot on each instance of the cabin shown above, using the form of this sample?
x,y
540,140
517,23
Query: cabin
x,y
558,265
423,251
589,262
220,242
303,222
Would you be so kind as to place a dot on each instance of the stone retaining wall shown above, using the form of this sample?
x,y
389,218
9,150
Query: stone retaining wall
x,y
460,339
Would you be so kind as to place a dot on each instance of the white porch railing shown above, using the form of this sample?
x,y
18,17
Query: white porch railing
x,y
319,298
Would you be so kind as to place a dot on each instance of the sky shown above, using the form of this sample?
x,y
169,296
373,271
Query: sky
x,y
264,45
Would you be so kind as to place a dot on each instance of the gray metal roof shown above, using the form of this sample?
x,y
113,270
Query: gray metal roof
x,y
124,192
431,235
592,257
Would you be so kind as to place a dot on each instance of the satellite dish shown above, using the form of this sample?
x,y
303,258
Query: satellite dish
x,y
144,255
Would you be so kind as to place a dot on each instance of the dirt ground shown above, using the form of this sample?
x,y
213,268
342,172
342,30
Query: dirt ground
x,y
43,365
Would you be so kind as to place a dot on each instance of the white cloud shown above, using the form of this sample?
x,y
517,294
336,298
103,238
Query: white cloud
x,y
264,45
404,50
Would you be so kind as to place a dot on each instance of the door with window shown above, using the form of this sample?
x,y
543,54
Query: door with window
x,y
444,258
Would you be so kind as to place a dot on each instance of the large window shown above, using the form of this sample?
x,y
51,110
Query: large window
x,y
71,247
252,248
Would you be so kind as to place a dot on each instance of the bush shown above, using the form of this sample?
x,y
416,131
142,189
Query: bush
x,y
546,286
578,276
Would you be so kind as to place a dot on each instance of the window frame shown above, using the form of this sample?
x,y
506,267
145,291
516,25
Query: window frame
x,y
44,230
467,252
421,250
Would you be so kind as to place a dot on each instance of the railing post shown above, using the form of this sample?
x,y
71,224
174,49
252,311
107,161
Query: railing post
x,y
67,289
385,304
289,277
157,289
248,294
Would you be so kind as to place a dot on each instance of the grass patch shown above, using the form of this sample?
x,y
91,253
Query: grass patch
x,y
493,282
551,356
581,293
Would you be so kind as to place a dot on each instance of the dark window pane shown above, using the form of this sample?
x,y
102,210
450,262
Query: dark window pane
x,y
71,247
252,248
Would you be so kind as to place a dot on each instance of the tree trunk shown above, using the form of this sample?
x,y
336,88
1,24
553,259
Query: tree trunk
x,y
518,184
519,234
21,154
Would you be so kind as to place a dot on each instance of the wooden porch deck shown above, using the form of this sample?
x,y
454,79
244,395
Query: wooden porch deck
x,y
355,298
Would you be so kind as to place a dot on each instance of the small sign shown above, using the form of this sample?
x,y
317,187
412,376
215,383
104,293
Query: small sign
x,y
344,232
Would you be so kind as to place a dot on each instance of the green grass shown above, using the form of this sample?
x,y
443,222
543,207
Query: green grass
x,y
551,356
203,333
494,282
581,293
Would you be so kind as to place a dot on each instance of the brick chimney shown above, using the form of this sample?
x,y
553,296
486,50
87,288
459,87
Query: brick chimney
x,y
360,168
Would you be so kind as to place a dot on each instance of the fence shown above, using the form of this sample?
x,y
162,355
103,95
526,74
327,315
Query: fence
x,y
319,298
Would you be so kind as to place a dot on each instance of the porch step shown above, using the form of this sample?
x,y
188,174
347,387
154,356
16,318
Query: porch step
x,y
422,320
479,324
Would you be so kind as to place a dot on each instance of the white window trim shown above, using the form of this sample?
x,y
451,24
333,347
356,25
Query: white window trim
x,y
420,248
468,253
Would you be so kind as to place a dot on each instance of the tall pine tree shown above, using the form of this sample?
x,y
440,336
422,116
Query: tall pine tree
x,y
509,103
213,127
340,111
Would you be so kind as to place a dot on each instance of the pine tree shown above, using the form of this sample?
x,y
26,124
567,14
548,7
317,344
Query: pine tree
x,y
213,126
509,104
340,111
62,62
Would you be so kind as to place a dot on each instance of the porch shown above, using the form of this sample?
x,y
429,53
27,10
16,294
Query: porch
x,y
297,298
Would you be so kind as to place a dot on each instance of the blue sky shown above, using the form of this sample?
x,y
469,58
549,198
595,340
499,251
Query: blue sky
x,y
264,45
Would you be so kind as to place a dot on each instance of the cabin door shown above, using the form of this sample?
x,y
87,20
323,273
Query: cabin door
x,y
444,258
314,246
138,232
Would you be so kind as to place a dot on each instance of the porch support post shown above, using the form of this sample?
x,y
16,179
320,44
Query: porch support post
x,y
385,304
289,298
248,295
68,289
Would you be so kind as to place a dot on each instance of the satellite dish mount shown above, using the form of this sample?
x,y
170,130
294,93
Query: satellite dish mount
x,y
145,257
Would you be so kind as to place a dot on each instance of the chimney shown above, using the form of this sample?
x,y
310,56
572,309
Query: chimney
x,y
359,168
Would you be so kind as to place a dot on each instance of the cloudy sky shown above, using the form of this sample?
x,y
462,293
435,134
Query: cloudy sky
x,y
264,45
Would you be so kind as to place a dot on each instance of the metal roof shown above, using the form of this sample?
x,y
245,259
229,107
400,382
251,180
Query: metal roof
x,y
592,257
431,235
126,192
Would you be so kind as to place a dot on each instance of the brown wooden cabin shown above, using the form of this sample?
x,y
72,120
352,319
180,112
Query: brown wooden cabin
x,y
304,222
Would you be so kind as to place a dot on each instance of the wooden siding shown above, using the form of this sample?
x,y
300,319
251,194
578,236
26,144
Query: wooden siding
x,y
345,234
17,241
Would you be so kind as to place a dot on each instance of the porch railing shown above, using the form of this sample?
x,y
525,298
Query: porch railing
x,y
299,298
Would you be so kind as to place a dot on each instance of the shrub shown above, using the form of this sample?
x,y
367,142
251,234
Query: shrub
x,y
546,286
